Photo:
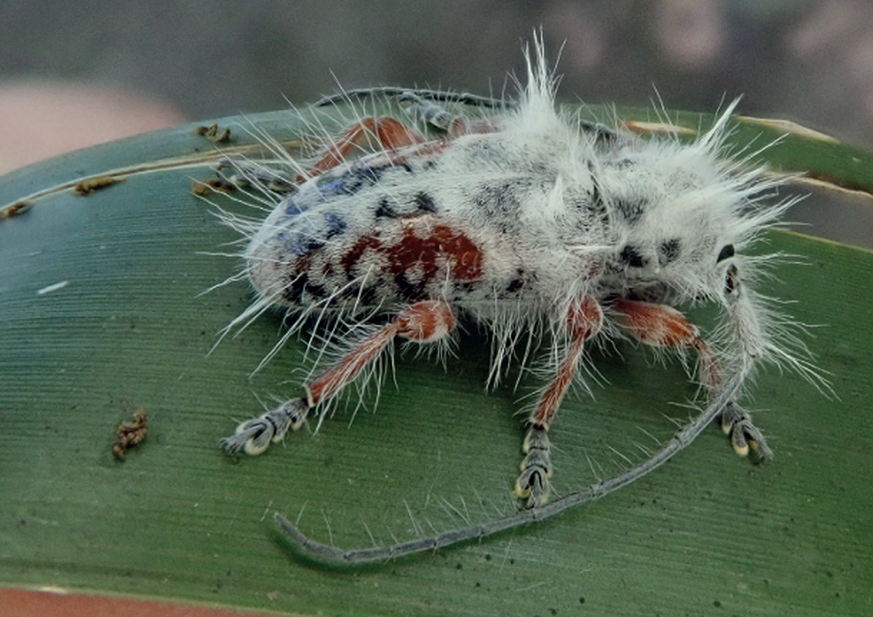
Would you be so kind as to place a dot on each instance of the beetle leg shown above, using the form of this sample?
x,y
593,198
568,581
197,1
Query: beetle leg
x,y
583,321
391,134
453,124
428,321
384,131
660,325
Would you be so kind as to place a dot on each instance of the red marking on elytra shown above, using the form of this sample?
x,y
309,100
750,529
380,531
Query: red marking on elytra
x,y
425,244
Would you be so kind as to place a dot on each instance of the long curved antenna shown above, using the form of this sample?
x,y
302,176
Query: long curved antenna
x,y
682,438
462,98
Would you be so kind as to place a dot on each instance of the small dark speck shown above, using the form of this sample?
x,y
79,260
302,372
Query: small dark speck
x,y
487,556
459,567
717,604
553,611
582,600
478,584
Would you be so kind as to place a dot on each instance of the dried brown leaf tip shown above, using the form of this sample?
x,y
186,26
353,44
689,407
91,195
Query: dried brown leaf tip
x,y
130,434
658,128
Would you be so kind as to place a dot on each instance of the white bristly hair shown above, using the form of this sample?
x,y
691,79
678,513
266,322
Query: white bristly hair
x,y
530,208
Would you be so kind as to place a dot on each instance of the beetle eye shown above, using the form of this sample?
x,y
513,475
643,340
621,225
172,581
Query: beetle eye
x,y
726,252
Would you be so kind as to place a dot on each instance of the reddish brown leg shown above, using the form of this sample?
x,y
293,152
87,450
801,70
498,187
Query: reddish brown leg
x,y
660,325
391,134
423,322
469,126
387,132
428,321
663,326
583,321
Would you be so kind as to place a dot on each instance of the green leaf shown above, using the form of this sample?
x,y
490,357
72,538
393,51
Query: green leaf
x,y
103,312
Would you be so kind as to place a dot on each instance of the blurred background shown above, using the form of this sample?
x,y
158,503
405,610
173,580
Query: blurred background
x,y
72,74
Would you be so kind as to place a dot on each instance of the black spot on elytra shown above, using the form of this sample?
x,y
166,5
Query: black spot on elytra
x,y
296,288
316,291
631,256
385,209
293,291
409,291
424,203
